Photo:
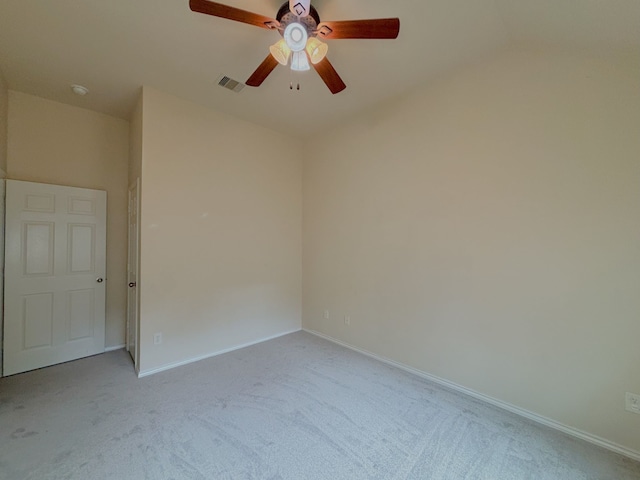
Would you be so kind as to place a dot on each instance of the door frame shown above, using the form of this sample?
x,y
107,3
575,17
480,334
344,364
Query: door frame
x,y
3,190
134,187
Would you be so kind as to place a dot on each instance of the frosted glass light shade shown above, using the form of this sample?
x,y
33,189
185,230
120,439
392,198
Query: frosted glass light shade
x,y
296,36
316,50
300,62
301,8
281,52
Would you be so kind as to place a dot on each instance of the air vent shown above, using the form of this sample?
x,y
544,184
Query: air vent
x,y
230,84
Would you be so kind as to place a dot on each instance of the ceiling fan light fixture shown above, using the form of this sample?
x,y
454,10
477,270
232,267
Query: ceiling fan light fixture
x,y
281,52
297,25
296,36
300,62
317,50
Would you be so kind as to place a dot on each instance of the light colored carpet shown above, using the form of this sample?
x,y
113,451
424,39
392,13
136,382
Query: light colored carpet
x,y
297,407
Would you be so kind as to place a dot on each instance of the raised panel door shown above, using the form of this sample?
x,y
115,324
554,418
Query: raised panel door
x,y
55,263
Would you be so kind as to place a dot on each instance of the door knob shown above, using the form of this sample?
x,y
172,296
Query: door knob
x,y
132,284
99,280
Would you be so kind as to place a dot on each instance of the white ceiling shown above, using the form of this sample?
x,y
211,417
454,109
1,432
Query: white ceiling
x,y
113,47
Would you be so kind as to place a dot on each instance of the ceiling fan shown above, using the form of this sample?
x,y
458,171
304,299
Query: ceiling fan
x,y
299,24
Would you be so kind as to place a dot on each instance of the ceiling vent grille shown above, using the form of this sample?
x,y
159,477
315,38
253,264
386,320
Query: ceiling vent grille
x,y
231,84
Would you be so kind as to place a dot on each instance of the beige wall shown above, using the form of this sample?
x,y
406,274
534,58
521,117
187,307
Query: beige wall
x,y
4,107
485,229
54,143
220,232
135,142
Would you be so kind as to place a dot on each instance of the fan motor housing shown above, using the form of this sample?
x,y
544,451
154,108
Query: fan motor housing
x,y
310,22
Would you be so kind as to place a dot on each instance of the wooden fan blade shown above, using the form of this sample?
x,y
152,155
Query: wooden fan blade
x,y
262,72
384,28
232,13
330,76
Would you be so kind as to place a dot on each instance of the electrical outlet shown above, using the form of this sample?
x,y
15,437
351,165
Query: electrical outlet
x,y
326,314
157,338
632,402
347,320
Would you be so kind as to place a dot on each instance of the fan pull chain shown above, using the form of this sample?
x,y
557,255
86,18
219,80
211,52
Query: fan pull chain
x,y
291,82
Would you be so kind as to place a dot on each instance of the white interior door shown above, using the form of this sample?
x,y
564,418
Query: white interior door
x,y
55,263
132,269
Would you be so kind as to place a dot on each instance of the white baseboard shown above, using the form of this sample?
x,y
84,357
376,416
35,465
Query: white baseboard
x,y
114,348
146,373
574,432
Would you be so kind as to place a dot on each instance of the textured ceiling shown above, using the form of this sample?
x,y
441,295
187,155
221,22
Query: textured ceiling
x,y
114,47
